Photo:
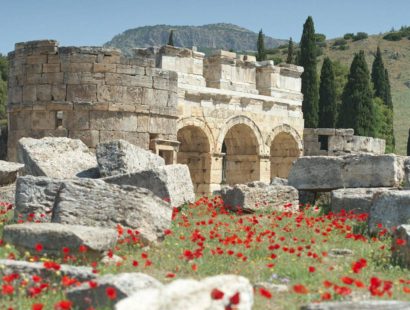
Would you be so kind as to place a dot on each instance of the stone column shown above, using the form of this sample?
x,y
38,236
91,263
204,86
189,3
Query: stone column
x,y
264,168
216,172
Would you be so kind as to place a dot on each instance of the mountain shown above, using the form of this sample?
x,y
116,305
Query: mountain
x,y
206,38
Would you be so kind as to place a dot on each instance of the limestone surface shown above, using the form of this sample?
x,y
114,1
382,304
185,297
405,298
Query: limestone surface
x,y
356,200
8,266
189,294
324,173
91,202
125,284
35,197
389,209
171,183
54,237
256,196
401,246
120,157
9,172
62,158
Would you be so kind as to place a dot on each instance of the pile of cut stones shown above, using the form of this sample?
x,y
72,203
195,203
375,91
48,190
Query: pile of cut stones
x,y
65,196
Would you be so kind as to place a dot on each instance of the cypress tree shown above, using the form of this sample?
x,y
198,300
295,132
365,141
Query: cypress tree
x,y
171,38
310,89
387,99
408,144
289,60
260,46
379,76
327,96
357,110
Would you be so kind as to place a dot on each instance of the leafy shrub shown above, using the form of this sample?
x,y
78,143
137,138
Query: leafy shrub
x,y
393,36
348,36
360,36
343,47
320,37
339,42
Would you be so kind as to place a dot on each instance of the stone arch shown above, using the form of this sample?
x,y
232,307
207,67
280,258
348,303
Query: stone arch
x,y
196,122
241,119
194,151
285,146
241,143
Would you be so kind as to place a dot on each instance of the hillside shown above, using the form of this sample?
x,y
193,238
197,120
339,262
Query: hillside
x,y
206,37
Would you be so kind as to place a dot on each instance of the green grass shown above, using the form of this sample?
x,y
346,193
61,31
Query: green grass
x,y
304,240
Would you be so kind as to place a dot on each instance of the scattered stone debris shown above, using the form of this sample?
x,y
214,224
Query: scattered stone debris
x,y
9,172
340,252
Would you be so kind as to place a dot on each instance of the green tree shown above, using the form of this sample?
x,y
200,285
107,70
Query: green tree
x,y
388,99
3,86
357,110
327,96
379,76
310,105
289,59
260,46
171,38
408,144
384,125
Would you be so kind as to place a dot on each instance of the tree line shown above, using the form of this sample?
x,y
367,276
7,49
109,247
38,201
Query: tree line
x,y
365,103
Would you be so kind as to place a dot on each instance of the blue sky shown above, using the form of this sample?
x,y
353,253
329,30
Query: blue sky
x,y
92,22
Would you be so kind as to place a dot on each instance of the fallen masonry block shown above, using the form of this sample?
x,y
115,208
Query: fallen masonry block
x,y
190,294
359,305
54,237
62,158
171,183
389,209
401,246
8,266
124,284
9,172
35,197
120,157
96,203
356,200
325,173
259,196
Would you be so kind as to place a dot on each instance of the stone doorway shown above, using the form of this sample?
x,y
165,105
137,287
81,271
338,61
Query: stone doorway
x,y
283,151
241,162
194,151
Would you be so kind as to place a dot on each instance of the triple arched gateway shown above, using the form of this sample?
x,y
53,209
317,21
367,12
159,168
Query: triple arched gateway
x,y
230,118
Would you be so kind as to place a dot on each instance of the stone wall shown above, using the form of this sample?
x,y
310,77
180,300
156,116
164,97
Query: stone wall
x,y
335,142
91,93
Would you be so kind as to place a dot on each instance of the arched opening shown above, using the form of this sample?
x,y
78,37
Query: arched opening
x,y
194,151
283,151
241,162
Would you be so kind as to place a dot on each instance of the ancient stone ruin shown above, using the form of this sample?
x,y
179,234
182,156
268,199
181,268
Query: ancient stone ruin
x,y
230,118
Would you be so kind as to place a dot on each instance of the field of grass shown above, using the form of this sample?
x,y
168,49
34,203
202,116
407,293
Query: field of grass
x,y
294,249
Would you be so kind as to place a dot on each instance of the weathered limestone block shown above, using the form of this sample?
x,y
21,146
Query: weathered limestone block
x,y
390,209
119,157
125,284
56,157
189,294
8,266
96,203
406,182
401,246
324,173
259,196
9,171
8,193
35,198
54,237
171,183
356,200
359,305
279,181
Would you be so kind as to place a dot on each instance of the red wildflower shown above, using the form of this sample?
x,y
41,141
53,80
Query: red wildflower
x,y
265,293
359,265
38,247
167,232
82,249
63,305
144,255
400,242
51,265
135,263
92,284
7,289
347,280
312,269
170,275
300,289
37,307
194,267
111,293
326,296
217,294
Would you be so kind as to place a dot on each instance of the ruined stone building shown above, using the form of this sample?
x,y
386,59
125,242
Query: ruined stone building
x,y
229,118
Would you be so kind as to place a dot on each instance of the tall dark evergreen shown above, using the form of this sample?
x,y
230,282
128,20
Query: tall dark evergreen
x,y
388,100
171,38
357,109
327,96
260,46
310,90
290,57
379,76
408,144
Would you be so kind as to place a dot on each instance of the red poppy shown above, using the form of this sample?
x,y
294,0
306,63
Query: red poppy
x,y
400,242
38,247
217,294
37,307
170,275
312,269
111,293
300,289
7,289
63,305
265,293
